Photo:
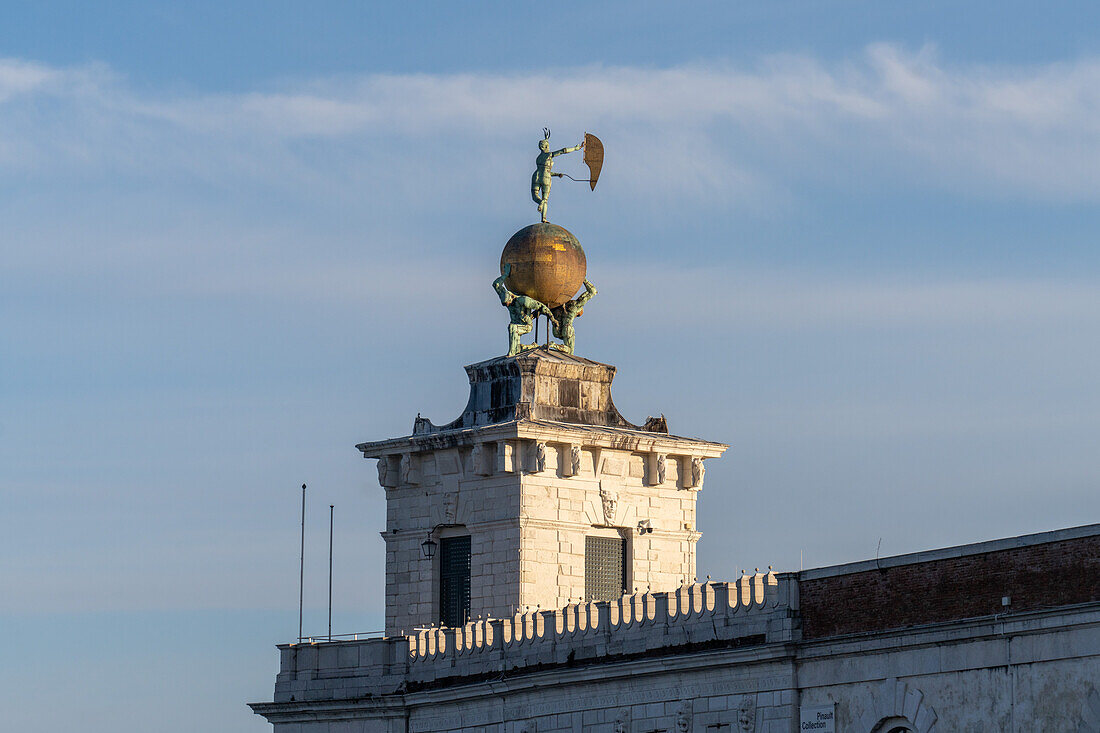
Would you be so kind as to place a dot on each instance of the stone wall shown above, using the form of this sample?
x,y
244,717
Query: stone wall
x,y
724,658
1029,671
612,493
528,503
446,494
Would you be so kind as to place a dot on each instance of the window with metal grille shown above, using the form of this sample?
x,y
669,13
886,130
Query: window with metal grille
x,y
604,568
454,580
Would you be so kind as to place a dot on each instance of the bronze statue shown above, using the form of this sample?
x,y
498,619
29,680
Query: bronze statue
x,y
566,312
544,170
521,310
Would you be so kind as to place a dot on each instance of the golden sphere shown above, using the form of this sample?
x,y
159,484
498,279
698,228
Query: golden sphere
x,y
548,264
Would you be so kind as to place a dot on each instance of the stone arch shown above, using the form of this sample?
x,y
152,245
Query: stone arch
x,y
895,705
894,724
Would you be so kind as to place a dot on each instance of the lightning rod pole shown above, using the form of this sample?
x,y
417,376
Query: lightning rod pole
x,y
302,565
330,507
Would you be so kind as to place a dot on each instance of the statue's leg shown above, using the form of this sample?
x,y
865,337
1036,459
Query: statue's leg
x,y
515,330
545,204
570,338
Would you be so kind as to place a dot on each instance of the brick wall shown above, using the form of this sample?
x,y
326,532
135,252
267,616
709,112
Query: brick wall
x,y
1044,575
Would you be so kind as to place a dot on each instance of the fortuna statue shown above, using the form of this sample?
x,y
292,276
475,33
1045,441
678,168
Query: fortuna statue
x,y
544,171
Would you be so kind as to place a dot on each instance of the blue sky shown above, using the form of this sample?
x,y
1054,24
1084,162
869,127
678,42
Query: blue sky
x,y
855,240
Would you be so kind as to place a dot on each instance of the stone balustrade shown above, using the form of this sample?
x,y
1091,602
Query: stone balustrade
x,y
752,610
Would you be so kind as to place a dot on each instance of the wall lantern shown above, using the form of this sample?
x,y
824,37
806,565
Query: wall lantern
x,y
428,546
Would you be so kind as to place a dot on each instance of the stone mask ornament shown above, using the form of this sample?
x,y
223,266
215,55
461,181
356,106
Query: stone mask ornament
x,y
746,713
610,501
622,722
683,717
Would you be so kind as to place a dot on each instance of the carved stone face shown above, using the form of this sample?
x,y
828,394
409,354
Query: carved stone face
x,y
610,502
746,713
683,718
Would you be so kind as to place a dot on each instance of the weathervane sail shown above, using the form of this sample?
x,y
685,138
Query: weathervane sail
x,y
593,158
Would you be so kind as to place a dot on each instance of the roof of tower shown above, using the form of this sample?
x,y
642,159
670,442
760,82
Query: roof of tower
x,y
540,387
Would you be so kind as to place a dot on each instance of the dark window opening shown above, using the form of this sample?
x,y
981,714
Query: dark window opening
x,y
604,568
454,580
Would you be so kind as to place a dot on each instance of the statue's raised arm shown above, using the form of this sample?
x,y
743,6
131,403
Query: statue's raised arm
x,y
573,149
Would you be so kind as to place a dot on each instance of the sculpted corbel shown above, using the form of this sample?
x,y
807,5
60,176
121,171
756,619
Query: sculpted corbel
x,y
404,469
698,473
575,459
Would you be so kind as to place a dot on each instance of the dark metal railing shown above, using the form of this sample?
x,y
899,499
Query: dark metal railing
x,y
325,638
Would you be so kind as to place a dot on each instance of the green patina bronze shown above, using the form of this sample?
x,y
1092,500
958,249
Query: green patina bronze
x,y
542,265
544,171
565,313
522,312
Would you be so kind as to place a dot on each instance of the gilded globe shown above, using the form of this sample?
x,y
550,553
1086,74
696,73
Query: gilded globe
x,y
548,263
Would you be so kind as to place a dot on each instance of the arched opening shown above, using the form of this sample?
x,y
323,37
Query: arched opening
x,y
894,725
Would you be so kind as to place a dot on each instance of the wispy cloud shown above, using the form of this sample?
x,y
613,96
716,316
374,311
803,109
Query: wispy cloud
x,y
894,116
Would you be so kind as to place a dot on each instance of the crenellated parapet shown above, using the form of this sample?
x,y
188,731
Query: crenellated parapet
x,y
753,610
693,614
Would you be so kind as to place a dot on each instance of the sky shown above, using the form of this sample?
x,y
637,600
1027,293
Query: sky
x,y
854,240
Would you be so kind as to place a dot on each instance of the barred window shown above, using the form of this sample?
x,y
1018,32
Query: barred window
x,y
604,568
454,580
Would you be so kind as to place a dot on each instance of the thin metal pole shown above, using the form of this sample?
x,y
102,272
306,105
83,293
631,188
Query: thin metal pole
x,y
330,507
302,565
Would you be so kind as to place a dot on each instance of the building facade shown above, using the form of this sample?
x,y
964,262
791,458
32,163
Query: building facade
x,y
540,576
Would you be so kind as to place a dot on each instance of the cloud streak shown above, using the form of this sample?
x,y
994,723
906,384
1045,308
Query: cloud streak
x,y
1024,131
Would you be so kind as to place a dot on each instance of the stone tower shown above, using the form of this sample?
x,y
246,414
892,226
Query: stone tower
x,y
539,494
